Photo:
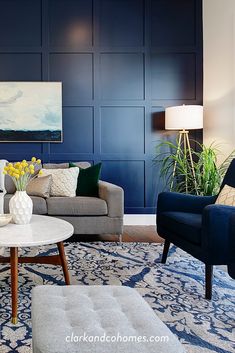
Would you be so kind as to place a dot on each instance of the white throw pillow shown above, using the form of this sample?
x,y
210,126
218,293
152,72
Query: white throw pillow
x,y
64,181
226,196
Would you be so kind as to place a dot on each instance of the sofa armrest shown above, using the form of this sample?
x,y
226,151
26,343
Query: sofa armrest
x,y
174,201
114,196
216,229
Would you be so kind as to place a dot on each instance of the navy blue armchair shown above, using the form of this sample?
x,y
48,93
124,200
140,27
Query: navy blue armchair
x,y
201,228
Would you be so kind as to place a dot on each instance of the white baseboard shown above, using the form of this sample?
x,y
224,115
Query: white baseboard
x,y
139,219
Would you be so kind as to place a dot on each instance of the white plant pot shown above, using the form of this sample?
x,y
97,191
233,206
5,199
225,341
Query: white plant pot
x,y
21,208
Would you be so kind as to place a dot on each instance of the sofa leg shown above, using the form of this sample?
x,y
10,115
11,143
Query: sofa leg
x,y
120,238
165,251
208,280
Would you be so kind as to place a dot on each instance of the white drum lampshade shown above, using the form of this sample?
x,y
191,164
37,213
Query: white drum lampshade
x,y
184,117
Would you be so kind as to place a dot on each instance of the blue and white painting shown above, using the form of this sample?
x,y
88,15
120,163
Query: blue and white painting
x,y
30,111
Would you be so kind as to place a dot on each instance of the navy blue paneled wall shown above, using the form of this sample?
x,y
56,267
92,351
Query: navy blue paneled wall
x,y
121,63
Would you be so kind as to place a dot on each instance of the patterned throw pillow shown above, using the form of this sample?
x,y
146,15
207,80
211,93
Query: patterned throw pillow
x,y
64,181
226,196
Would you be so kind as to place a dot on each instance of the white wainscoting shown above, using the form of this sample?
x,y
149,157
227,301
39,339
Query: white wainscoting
x,y
139,219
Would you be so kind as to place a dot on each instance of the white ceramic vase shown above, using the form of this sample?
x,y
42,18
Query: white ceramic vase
x,y
21,207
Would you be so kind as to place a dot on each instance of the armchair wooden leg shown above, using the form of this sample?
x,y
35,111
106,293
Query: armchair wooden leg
x,y
208,280
165,251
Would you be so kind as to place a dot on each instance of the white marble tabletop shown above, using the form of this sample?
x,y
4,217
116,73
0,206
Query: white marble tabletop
x,y
42,230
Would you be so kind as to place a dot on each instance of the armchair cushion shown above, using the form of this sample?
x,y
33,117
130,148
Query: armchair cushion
x,y
186,225
226,196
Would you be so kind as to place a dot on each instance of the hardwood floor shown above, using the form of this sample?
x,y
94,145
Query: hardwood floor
x,y
141,234
146,234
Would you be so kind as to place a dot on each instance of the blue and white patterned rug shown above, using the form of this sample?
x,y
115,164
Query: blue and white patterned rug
x,y
175,291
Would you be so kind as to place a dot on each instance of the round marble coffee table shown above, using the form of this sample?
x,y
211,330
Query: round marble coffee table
x,y
42,230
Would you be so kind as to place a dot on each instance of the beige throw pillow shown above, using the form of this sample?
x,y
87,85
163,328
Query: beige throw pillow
x,y
40,186
64,181
226,196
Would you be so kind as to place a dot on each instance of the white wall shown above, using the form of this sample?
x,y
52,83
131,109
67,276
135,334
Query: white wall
x,y
219,72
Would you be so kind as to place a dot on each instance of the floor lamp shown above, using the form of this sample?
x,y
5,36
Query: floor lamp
x,y
184,118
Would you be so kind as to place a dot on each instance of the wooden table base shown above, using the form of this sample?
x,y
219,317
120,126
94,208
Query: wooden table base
x,y
59,259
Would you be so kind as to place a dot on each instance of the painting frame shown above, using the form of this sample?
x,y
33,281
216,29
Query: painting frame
x,y
47,115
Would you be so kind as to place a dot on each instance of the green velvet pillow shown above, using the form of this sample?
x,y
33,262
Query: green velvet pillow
x,y
88,180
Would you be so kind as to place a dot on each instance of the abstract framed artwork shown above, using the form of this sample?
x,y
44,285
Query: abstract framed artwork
x,y
30,112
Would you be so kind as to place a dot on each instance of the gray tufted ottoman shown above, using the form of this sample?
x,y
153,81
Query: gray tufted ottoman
x,y
97,319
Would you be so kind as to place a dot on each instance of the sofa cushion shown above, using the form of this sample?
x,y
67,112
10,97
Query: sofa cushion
x,y
39,204
87,183
82,165
76,206
64,181
40,186
9,185
186,225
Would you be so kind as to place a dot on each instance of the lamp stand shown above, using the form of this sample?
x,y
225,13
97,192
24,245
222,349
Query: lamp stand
x,y
184,137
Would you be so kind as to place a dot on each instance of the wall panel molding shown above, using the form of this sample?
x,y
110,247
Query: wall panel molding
x,y
121,62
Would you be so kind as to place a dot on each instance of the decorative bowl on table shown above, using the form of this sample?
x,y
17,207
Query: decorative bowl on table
x,y
5,219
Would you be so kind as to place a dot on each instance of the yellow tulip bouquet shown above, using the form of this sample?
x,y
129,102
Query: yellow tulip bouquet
x,y
22,172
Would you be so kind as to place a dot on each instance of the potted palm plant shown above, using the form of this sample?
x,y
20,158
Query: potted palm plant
x,y
208,174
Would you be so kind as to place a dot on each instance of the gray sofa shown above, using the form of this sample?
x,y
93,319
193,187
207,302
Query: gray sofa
x,y
88,215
